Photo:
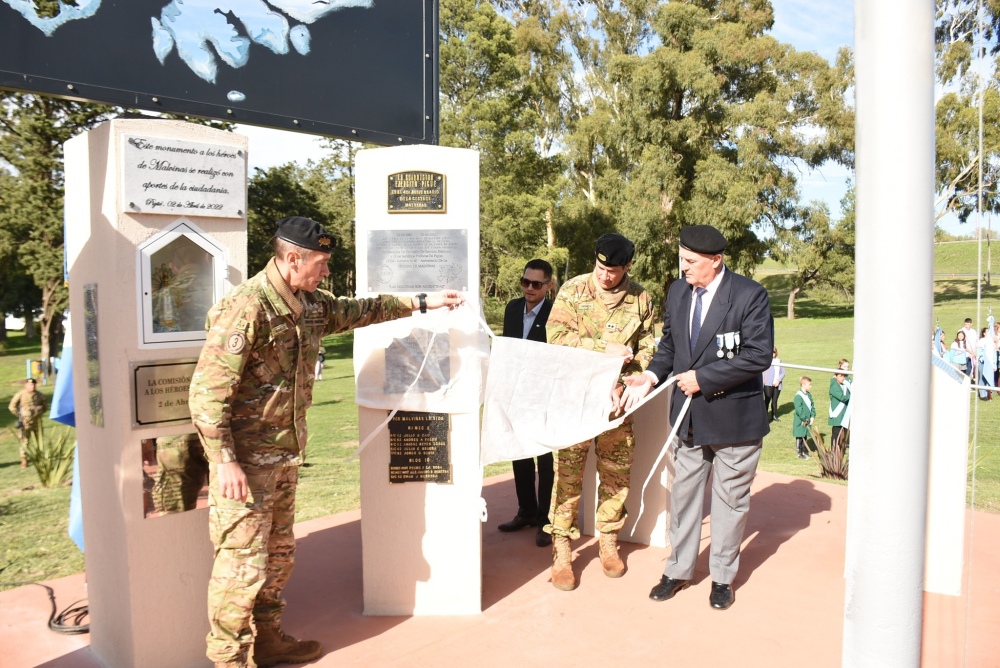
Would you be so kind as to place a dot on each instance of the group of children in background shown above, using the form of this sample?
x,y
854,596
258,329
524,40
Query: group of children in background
x,y
975,355
805,407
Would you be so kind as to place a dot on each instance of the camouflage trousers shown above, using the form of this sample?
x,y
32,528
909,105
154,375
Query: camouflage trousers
x,y
254,555
614,450
29,430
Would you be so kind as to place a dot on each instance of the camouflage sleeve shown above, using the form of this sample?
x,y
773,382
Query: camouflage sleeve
x,y
14,403
562,326
232,332
344,313
646,343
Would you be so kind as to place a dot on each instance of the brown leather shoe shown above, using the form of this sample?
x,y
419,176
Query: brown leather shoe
x,y
611,562
272,646
562,564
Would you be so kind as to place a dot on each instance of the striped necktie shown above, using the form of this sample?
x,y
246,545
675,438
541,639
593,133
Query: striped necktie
x,y
696,319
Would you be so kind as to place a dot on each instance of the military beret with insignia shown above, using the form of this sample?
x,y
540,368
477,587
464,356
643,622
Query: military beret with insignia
x,y
305,233
614,250
703,239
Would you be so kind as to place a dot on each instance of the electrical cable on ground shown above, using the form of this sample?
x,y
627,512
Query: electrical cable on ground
x,y
70,621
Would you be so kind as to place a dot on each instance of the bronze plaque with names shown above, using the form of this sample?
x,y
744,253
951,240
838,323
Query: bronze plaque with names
x,y
160,391
417,192
418,447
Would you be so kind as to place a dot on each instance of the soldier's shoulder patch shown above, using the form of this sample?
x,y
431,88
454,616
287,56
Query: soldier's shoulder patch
x,y
236,342
241,325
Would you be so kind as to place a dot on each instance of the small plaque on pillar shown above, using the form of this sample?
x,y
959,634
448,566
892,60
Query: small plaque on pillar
x,y
416,192
419,448
160,391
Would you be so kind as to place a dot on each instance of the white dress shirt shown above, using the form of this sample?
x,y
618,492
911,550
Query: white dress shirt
x,y
529,317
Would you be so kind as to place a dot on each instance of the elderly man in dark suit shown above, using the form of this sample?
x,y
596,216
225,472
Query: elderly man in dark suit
x,y
718,335
525,318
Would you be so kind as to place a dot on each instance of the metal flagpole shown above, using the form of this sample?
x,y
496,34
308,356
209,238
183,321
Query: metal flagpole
x,y
887,494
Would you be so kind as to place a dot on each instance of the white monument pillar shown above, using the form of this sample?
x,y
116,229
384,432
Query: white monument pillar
x,y
895,227
418,231
155,233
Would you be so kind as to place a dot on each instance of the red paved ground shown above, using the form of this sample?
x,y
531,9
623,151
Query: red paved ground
x,y
788,612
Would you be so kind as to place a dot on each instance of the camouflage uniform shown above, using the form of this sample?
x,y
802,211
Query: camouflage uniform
x,y
248,400
580,319
28,407
181,473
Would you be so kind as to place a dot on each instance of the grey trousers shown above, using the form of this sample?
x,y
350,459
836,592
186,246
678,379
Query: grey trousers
x,y
733,468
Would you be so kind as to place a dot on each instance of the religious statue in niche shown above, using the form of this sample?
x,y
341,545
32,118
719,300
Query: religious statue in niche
x,y
181,282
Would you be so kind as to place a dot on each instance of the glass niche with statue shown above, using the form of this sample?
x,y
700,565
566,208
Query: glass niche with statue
x,y
182,274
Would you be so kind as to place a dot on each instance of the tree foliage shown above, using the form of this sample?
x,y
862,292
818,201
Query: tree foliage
x,y
33,129
966,61
821,250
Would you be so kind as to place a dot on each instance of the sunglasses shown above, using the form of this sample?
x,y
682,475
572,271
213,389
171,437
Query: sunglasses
x,y
538,285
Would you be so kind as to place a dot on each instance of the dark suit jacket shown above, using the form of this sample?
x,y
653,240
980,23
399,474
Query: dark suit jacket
x,y
513,320
729,407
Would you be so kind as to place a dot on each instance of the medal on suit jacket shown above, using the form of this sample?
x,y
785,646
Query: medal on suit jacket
x,y
730,344
737,336
718,340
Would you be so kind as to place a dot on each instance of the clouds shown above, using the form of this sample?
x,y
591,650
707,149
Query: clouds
x,y
822,26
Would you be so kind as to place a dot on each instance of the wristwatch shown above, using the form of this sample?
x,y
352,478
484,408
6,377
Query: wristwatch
x,y
422,298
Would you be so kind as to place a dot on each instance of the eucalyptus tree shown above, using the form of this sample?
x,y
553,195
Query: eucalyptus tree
x,y
966,68
489,102
692,113
33,129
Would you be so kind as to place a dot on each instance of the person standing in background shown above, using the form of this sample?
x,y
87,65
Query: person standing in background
x,y
840,397
525,318
772,385
805,415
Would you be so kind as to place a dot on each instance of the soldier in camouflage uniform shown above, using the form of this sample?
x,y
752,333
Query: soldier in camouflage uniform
x,y
28,405
248,400
607,312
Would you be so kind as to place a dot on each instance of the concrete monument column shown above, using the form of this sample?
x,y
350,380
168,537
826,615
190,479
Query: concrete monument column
x,y
418,231
155,234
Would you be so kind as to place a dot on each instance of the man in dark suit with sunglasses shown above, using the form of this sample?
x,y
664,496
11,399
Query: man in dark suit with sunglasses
x,y
525,318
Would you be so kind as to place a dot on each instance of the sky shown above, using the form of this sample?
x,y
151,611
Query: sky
x,y
822,26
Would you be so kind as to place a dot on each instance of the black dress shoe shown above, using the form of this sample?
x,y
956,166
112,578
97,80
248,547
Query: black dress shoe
x,y
722,596
667,587
542,539
516,524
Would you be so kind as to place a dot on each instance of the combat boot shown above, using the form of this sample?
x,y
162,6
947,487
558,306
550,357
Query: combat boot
x,y
272,646
612,564
562,564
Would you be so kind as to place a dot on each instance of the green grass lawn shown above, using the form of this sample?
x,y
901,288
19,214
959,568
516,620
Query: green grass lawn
x,y
33,540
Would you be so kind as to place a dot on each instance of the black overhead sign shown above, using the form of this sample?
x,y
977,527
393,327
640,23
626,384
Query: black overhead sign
x,y
358,69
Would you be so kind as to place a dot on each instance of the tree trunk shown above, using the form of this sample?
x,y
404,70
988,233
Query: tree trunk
x,y
49,314
29,324
550,233
791,303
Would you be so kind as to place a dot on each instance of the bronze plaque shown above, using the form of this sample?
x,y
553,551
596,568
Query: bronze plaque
x,y
160,391
418,447
417,192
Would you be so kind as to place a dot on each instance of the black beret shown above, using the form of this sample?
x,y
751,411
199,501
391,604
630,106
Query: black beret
x,y
305,233
614,250
703,239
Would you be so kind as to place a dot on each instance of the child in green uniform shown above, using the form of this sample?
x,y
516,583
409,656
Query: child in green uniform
x,y
805,413
840,397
